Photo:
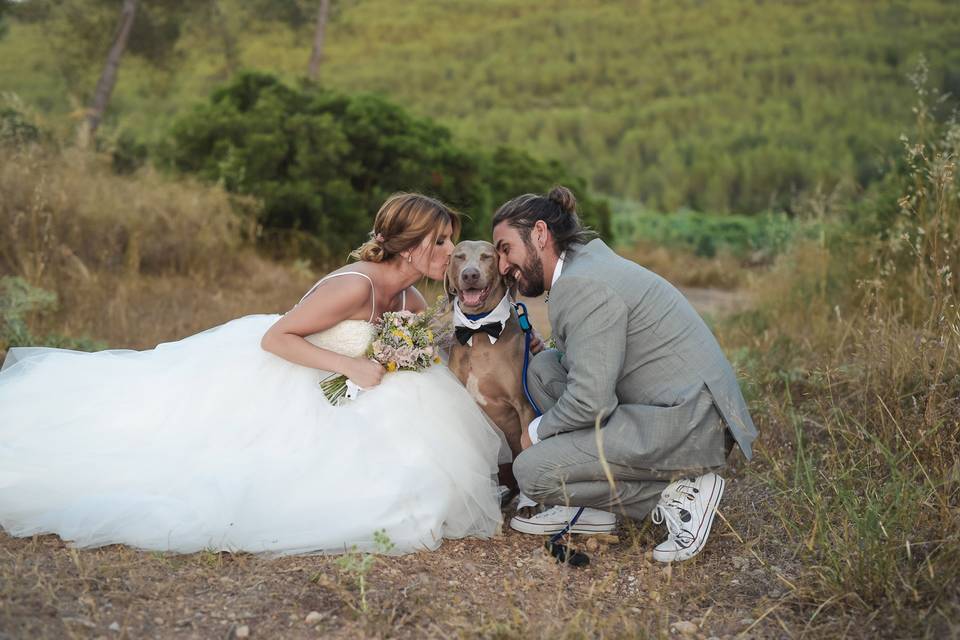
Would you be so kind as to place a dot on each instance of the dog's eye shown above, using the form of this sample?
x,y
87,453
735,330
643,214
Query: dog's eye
x,y
460,256
486,256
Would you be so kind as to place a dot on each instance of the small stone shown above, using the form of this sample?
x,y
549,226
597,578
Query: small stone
x,y
313,617
592,544
158,621
114,626
747,621
685,627
243,631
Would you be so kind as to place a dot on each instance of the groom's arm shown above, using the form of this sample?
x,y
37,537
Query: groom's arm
x,y
593,321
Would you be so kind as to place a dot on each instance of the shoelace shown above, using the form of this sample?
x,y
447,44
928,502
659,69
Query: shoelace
x,y
670,515
669,512
552,510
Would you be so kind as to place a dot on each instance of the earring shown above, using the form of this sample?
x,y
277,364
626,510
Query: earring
x,y
409,258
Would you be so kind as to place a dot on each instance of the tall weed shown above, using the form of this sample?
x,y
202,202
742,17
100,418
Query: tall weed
x,y
858,342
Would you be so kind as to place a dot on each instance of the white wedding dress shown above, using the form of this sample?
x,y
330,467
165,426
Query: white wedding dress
x,y
212,443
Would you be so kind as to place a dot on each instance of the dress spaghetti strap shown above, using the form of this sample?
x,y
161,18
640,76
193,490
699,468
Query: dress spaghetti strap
x,y
373,290
403,301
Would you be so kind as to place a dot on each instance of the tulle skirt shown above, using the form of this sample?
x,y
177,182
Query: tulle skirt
x,y
212,443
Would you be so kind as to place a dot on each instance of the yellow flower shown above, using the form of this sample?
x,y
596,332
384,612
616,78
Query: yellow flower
x,y
391,366
436,359
429,336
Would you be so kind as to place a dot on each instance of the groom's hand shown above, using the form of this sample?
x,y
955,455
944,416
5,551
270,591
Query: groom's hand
x,y
525,441
536,343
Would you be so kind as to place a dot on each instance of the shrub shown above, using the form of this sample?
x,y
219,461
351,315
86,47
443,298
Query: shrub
x,y
16,129
18,302
756,238
323,162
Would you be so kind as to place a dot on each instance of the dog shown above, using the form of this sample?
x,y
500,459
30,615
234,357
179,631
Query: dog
x,y
491,371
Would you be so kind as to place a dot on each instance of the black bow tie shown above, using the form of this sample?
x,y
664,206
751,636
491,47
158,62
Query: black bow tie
x,y
491,328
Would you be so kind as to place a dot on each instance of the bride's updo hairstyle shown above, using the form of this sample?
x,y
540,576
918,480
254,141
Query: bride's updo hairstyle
x,y
558,209
402,223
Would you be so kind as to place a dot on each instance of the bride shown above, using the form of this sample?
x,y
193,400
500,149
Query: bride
x,y
224,440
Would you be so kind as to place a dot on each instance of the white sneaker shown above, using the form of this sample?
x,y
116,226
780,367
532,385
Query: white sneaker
x,y
554,519
687,507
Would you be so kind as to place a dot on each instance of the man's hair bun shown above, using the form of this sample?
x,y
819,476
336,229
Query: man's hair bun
x,y
563,197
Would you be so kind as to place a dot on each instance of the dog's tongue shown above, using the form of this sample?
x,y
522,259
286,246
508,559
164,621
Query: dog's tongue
x,y
471,297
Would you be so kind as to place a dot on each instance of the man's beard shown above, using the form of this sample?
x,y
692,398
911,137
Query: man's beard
x,y
531,281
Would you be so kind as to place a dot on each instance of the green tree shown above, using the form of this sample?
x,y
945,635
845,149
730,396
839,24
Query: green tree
x,y
323,162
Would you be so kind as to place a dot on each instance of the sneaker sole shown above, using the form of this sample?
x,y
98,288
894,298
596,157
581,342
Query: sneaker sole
x,y
525,526
689,552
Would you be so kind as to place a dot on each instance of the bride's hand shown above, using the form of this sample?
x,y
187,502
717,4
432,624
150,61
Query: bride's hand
x,y
366,373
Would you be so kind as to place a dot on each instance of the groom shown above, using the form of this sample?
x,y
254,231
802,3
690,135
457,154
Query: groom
x,y
633,356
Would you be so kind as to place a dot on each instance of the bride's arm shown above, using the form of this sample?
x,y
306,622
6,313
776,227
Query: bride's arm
x,y
334,301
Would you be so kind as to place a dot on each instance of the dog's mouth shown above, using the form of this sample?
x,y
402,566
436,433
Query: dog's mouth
x,y
473,297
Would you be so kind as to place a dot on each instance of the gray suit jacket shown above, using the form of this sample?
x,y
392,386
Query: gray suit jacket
x,y
639,356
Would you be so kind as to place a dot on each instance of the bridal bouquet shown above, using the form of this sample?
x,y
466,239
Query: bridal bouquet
x,y
405,341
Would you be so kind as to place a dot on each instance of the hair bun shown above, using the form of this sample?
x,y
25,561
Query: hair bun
x,y
370,251
563,197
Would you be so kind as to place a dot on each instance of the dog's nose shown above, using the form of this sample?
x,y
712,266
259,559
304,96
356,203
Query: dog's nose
x,y
470,276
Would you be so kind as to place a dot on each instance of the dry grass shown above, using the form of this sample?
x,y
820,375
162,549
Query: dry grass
x,y
854,352
685,269
133,261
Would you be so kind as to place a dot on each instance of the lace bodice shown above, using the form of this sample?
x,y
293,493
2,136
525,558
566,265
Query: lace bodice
x,y
349,338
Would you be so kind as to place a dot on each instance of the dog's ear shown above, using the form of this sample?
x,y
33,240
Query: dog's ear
x,y
512,285
448,287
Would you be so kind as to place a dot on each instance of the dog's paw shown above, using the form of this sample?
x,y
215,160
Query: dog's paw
x,y
528,512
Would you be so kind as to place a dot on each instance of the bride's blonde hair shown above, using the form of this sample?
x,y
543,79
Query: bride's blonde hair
x,y
402,223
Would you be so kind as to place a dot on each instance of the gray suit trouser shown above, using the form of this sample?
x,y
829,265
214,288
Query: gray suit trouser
x,y
566,468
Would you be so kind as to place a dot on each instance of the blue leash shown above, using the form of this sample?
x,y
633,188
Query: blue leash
x,y
527,328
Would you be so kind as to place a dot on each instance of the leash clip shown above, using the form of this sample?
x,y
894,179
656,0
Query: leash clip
x,y
522,317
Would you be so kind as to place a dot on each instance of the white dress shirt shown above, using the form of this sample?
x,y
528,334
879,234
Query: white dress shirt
x,y
532,428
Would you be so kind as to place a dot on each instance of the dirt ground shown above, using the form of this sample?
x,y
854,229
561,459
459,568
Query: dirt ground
x,y
742,585
500,588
